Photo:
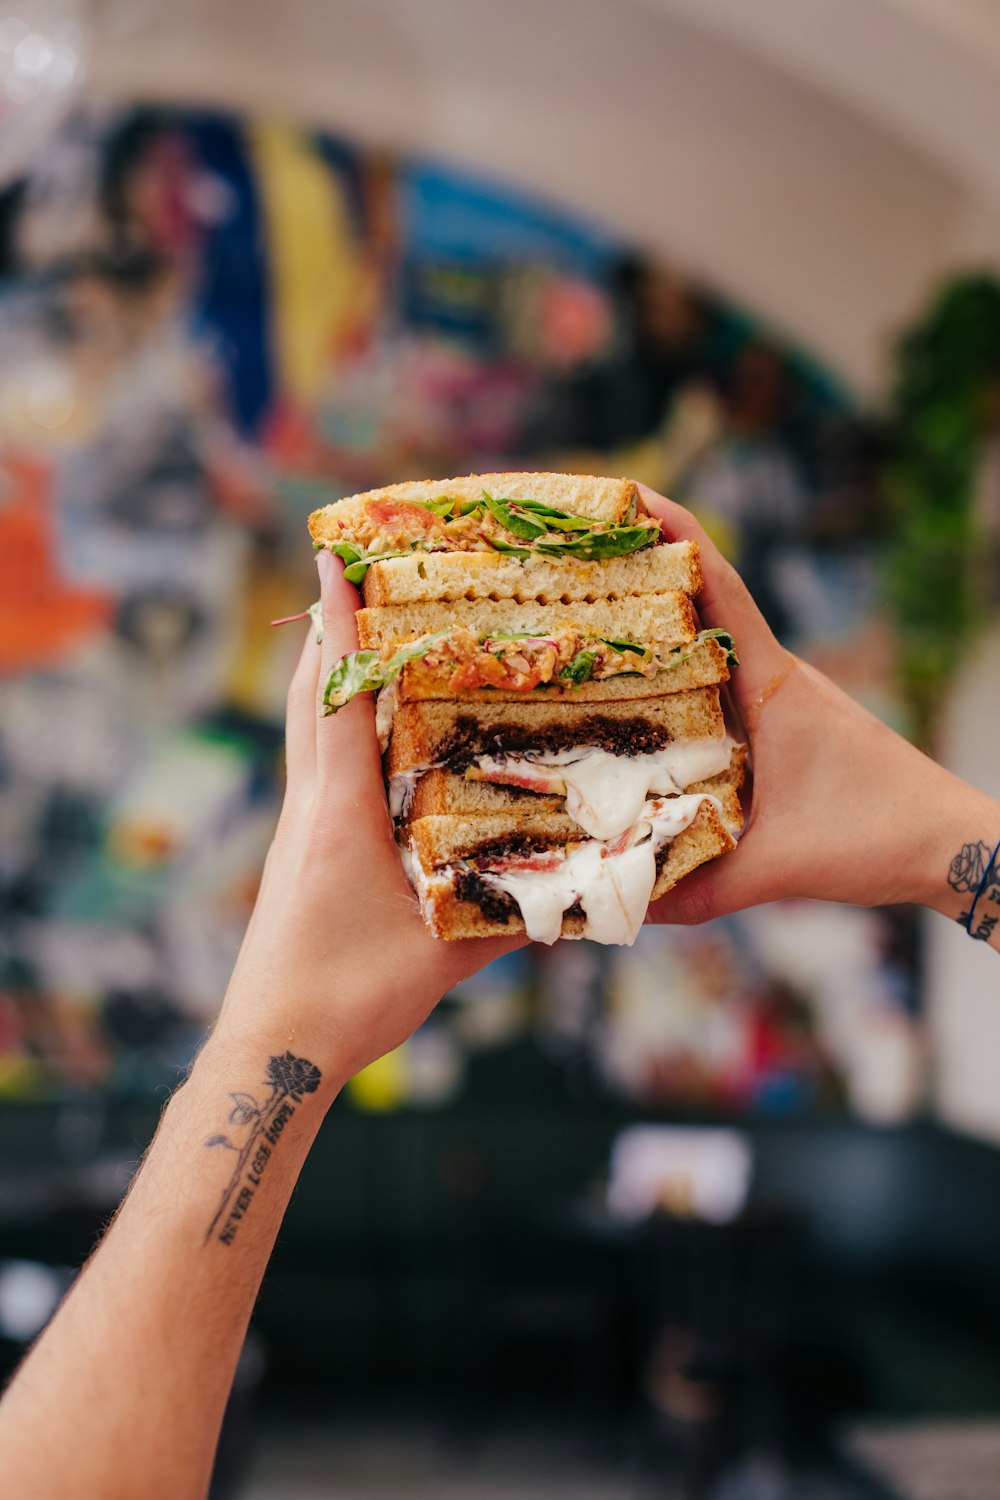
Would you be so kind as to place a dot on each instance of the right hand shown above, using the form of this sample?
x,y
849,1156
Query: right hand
x,y
843,808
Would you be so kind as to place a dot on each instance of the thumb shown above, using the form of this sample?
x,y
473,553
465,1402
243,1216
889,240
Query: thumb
x,y
725,601
347,753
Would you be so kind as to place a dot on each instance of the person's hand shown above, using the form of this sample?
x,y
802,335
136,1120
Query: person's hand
x,y
842,808
337,959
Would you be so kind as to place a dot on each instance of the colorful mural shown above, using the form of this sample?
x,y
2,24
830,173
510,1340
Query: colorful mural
x,y
208,326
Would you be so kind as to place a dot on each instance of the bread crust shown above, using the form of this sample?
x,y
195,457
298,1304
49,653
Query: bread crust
x,y
596,498
450,918
654,619
449,576
421,732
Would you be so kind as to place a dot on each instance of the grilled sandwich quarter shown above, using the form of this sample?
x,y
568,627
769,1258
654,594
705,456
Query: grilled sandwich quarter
x,y
555,750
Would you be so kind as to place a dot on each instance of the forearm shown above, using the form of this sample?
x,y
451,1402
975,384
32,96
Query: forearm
x,y
124,1393
952,870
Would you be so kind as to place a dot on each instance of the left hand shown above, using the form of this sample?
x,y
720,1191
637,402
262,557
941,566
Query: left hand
x,y
337,963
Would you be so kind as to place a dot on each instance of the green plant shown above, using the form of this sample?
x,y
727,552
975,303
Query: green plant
x,y
945,370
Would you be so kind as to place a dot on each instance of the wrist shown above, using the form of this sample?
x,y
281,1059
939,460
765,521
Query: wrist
x,y
337,1016
959,842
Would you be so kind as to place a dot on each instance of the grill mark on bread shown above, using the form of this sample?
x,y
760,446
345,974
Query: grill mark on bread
x,y
472,738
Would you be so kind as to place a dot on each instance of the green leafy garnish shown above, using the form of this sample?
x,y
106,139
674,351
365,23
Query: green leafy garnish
x,y
517,525
683,653
357,562
366,672
725,640
597,546
561,520
508,550
550,533
443,506
347,551
623,646
315,613
580,668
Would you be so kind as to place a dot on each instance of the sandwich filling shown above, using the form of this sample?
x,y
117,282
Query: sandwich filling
x,y
609,881
383,529
605,792
517,661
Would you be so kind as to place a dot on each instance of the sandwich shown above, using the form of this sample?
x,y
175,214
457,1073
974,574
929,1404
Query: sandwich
x,y
512,517
555,749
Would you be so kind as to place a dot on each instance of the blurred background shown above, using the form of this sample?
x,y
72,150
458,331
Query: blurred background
x,y
714,1216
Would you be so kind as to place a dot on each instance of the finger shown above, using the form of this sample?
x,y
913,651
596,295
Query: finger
x,y
751,875
300,718
726,602
347,750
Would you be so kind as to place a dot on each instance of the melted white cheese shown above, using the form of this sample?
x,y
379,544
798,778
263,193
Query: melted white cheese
x,y
605,793
385,712
426,886
613,888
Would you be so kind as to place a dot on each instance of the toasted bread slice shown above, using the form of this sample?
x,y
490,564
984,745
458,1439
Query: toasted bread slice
x,y
431,731
443,794
444,838
612,500
654,619
448,576
708,663
450,917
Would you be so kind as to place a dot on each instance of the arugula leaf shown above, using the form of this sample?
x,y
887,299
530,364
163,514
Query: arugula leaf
x,y
358,562
622,646
448,508
366,672
315,613
684,653
595,546
507,548
357,672
347,551
568,523
511,521
443,505
725,640
580,668
548,516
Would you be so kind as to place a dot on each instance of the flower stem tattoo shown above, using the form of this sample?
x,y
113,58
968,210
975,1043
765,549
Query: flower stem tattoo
x,y
974,871
289,1079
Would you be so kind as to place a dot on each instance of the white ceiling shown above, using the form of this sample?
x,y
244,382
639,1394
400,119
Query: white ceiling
x,y
820,160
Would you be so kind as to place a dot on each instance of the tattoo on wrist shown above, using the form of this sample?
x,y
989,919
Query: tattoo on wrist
x,y
289,1079
975,871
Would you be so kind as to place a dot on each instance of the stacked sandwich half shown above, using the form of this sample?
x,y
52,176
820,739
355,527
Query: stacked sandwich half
x,y
555,750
